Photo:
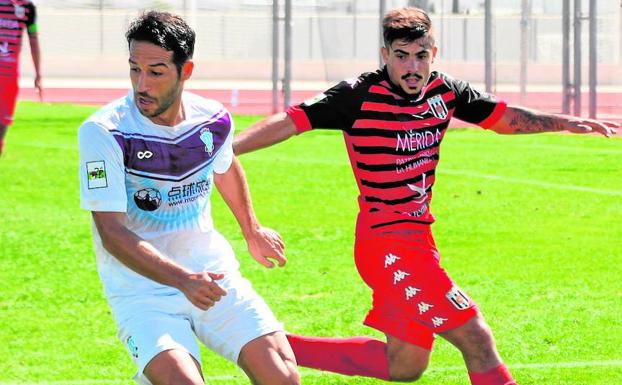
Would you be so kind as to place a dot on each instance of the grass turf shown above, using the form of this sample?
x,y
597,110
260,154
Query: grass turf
x,y
529,226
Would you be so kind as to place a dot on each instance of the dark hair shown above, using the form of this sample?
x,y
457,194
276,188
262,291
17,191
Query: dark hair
x,y
164,30
408,23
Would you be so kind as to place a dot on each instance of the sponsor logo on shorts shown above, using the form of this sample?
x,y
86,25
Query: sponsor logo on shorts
x,y
458,298
131,346
96,174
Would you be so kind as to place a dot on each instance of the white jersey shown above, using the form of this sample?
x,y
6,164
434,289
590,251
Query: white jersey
x,y
162,177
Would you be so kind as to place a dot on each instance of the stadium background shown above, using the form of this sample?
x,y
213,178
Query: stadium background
x,y
85,55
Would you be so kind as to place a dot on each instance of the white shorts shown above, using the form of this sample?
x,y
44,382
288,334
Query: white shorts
x,y
158,323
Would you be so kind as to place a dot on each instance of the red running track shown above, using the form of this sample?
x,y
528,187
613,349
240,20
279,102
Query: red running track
x,y
259,102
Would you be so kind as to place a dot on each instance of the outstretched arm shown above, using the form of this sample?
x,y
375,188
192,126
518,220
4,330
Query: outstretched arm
x,y
521,120
263,243
267,132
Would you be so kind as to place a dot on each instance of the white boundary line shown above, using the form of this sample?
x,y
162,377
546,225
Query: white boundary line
x,y
314,373
537,183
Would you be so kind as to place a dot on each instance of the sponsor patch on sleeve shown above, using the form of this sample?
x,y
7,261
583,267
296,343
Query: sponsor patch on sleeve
x,y
314,99
458,298
96,174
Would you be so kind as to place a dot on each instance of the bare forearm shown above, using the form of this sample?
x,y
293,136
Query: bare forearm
x,y
138,254
269,131
36,54
234,190
521,120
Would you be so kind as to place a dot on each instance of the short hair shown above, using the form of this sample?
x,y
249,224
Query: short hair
x,y
164,30
408,23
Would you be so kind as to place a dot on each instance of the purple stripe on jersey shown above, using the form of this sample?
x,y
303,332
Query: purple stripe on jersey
x,y
161,159
210,120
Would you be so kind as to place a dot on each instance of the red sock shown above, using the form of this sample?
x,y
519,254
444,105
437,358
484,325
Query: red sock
x,y
356,356
495,376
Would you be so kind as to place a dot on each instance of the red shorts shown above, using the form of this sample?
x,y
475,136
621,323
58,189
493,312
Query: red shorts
x,y
8,98
413,297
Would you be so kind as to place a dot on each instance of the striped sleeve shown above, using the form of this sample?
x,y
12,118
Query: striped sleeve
x,y
474,106
334,108
31,22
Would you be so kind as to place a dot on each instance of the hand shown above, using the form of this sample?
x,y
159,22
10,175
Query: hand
x,y
202,290
38,87
266,243
586,126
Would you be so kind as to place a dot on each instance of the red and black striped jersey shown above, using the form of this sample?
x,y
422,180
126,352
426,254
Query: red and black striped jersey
x,y
393,139
15,16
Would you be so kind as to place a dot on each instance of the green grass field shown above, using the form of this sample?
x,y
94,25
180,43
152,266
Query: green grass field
x,y
529,226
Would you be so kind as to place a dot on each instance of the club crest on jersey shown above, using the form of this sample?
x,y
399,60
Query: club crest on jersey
x,y
96,174
208,139
438,107
458,298
20,12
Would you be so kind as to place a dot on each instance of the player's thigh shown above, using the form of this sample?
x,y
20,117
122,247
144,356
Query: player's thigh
x,y
174,367
407,361
154,325
238,318
269,360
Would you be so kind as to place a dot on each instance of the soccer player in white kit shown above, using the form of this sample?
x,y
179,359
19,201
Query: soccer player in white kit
x,y
148,163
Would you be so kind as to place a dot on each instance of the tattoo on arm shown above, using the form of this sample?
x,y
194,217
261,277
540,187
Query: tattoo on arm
x,y
527,121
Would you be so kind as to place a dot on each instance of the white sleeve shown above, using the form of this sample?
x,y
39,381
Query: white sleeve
x,y
224,158
102,172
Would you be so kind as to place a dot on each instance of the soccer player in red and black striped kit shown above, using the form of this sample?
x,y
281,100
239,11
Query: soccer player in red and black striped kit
x,y
393,121
15,16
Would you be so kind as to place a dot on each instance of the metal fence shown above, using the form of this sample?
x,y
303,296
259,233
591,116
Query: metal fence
x,y
332,40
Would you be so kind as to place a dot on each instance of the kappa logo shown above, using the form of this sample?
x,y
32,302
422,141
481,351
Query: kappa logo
x,y
424,307
390,259
144,154
411,291
438,107
438,321
399,275
458,298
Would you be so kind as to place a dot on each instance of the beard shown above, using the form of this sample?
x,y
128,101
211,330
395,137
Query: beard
x,y
166,101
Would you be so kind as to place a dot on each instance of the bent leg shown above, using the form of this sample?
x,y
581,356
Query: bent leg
x,y
475,341
269,360
174,367
407,361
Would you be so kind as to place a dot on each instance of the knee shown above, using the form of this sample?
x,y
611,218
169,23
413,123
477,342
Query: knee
x,y
285,378
401,370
